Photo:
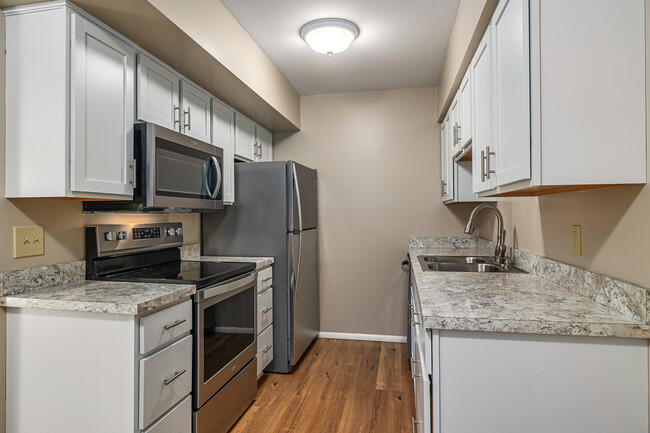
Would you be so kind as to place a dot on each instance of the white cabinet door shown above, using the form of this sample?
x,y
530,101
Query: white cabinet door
x,y
512,86
244,137
465,132
446,160
454,122
264,141
196,115
158,94
102,73
223,135
482,108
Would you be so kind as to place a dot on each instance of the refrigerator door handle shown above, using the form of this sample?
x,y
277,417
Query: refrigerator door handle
x,y
295,183
295,290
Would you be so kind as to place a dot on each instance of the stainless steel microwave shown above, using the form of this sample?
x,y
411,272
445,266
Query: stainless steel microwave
x,y
172,173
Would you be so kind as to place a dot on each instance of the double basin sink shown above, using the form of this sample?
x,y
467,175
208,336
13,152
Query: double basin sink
x,y
463,264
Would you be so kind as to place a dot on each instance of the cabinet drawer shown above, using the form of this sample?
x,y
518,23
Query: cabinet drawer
x,y
165,379
264,310
264,349
163,326
264,279
179,420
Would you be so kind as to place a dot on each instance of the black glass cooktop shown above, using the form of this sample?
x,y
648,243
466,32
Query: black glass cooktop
x,y
203,274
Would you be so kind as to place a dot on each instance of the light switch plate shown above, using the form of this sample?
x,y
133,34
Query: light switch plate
x,y
28,241
576,240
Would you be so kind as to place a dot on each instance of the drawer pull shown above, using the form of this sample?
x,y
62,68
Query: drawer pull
x,y
175,324
174,377
266,310
267,348
413,422
266,279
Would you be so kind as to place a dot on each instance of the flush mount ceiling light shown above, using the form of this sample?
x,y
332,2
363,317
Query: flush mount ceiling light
x,y
329,35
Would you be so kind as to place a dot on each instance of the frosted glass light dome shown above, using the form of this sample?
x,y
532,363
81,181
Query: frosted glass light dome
x,y
329,35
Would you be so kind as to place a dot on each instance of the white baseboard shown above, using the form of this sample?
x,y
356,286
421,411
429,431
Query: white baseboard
x,y
362,337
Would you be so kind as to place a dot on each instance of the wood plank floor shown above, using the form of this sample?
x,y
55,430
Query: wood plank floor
x,y
340,386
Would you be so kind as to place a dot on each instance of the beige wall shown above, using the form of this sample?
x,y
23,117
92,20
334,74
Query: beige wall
x,y
378,161
472,19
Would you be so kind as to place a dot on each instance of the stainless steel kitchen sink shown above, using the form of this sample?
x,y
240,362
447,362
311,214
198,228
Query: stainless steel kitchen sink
x,y
462,264
458,259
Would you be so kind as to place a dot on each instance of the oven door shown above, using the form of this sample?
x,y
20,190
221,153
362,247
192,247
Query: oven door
x,y
180,172
225,337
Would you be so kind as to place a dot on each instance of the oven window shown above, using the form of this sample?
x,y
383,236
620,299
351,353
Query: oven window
x,y
228,329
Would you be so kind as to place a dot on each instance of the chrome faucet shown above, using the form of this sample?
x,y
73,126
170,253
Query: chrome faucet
x,y
500,250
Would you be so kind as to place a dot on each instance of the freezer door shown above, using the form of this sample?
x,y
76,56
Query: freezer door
x,y
304,294
303,196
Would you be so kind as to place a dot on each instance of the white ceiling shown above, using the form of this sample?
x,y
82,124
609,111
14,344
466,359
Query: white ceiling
x,y
401,43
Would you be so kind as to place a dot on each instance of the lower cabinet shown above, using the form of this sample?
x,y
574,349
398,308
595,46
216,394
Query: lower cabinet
x,y
74,372
264,318
420,367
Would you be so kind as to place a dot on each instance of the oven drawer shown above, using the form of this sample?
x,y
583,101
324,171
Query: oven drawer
x,y
264,310
165,379
264,279
159,328
222,410
178,420
264,349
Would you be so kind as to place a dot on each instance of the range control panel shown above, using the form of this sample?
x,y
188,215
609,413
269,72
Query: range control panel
x,y
112,239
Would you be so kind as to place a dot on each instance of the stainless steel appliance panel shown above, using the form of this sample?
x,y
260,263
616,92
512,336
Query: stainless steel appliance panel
x,y
221,412
226,334
304,299
303,197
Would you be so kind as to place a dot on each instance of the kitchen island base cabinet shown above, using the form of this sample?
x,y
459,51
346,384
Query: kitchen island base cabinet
x,y
512,383
80,372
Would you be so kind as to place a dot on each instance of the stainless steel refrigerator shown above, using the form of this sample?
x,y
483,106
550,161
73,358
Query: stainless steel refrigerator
x,y
275,215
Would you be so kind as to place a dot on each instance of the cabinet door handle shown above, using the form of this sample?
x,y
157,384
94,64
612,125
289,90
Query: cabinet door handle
x,y
488,171
174,377
189,119
482,166
175,324
459,133
266,310
134,168
266,348
177,116
413,422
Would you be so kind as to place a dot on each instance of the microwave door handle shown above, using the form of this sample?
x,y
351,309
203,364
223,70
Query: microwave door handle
x,y
216,164
206,178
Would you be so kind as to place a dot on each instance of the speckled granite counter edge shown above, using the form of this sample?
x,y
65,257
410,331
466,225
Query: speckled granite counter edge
x,y
628,299
193,252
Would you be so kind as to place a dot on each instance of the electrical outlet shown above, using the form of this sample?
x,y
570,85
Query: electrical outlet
x,y
576,240
28,241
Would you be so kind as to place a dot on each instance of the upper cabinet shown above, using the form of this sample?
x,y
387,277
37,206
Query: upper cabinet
x,y
195,106
75,89
447,168
245,144
165,99
264,144
70,99
544,98
158,94
223,135
465,124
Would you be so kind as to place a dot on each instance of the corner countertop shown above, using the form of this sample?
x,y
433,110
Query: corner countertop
x,y
260,262
517,303
103,297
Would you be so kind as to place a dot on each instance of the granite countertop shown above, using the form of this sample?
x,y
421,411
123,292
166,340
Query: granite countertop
x,y
260,262
103,297
512,302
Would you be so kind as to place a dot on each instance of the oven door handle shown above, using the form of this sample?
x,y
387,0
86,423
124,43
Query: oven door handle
x,y
231,287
